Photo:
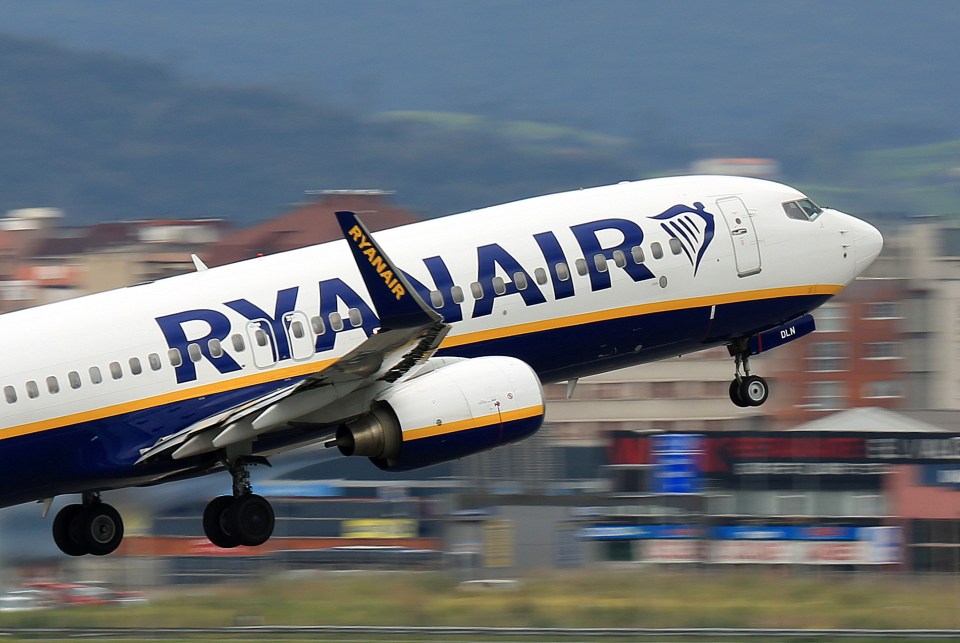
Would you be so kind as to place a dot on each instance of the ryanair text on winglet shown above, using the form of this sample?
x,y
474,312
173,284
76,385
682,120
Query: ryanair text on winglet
x,y
378,262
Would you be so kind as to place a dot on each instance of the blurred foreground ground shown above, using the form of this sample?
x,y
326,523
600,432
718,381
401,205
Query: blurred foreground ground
x,y
611,598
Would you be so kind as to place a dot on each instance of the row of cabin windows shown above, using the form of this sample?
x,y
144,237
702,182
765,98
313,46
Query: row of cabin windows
x,y
298,331
561,270
175,357
94,374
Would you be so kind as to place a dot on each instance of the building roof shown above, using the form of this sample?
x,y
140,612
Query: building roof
x,y
306,225
871,419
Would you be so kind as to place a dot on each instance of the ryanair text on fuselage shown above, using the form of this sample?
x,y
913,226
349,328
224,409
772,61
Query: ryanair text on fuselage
x,y
179,329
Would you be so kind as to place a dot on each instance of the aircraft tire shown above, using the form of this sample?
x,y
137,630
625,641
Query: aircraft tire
x,y
735,394
63,531
251,518
214,519
101,528
754,390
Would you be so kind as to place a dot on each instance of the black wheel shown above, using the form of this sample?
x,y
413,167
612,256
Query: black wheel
x,y
63,531
214,520
735,394
251,518
754,390
102,529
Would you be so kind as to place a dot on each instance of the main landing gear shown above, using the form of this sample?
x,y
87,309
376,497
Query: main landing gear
x,y
243,518
93,527
746,389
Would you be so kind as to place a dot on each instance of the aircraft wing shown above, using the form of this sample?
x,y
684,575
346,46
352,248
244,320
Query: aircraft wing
x,y
409,334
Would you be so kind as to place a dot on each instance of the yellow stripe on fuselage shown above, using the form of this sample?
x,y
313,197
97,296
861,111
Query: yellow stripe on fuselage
x,y
300,370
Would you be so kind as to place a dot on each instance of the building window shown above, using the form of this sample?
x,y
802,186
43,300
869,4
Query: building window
x,y
883,350
831,318
827,356
883,388
882,310
826,396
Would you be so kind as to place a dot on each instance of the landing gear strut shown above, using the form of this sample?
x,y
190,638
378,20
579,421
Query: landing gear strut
x,y
93,527
746,389
243,518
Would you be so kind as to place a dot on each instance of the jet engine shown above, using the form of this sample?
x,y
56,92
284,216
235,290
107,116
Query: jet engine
x,y
454,411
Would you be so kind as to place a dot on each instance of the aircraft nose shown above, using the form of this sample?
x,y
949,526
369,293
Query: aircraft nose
x,y
867,245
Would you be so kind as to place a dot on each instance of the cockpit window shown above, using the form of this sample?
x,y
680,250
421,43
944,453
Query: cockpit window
x,y
803,210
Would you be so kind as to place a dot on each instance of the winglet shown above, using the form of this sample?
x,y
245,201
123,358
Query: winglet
x,y
397,304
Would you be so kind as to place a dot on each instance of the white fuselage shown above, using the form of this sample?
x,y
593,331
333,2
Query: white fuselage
x,y
89,384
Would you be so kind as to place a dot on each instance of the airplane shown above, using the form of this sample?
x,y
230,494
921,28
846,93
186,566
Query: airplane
x,y
425,344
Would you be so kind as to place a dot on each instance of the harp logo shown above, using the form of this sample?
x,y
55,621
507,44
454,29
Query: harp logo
x,y
693,227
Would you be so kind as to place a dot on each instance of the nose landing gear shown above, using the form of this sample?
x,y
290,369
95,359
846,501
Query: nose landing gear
x,y
746,389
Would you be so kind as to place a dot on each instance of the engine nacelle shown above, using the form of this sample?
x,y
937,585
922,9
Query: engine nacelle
x,y
457,410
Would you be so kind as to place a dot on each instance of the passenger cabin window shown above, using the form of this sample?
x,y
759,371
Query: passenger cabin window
x,y
74,378
176,359
674,246
10,394
96,377
32,390
637,253
620,258
656,250
802,210
456,293
520,281
336,322
259,336
499,286
476,290
154,360
563,271
296,329
53,385
116,372
319,328
215,348
355,318
193,350
600,262
135,367
436,299
581,267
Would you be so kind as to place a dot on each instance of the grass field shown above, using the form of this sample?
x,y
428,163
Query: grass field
x,y
632,598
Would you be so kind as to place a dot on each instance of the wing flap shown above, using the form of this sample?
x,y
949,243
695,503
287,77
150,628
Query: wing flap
x,y
410,333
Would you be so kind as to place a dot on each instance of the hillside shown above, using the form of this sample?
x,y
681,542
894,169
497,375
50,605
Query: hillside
x,y
106,137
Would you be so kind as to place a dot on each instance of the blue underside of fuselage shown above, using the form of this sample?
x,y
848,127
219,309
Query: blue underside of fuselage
x,y
101,454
